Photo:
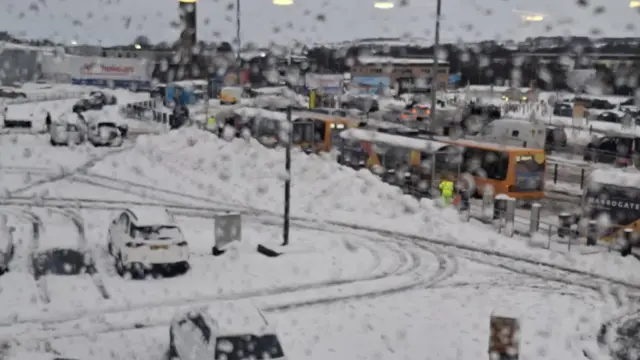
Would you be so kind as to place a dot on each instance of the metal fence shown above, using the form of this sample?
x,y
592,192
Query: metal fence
x,y
566,235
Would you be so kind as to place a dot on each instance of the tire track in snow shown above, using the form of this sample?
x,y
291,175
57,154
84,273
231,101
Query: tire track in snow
x,y
99,322
83,245
414,269
44,291
36,232
65,175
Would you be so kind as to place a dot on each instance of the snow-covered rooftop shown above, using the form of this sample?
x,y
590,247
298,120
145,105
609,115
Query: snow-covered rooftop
x,y
393,140
627,177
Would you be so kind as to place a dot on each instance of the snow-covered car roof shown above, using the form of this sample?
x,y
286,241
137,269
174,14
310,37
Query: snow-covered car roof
x,y
237,317
69,118
59,236
627,177
150,216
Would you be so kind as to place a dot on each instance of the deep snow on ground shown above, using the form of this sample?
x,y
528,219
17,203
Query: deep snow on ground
x,y
245,174
191,166
442,323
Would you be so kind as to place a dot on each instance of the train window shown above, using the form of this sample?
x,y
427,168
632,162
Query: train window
x,y
480,162
319,130
302,132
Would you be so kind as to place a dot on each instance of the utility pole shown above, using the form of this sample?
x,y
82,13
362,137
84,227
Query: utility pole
x,y
287,181
239,45
434,77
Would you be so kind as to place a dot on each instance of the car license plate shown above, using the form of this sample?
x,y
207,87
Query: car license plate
x,y
158,247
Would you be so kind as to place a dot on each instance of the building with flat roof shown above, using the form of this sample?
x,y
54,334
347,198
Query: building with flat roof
x,y
403,74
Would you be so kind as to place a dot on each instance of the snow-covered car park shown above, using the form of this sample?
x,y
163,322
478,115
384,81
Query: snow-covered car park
x,y
360,250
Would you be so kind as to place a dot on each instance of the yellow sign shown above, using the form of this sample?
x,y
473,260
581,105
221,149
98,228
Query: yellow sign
x,y
188,1
578,111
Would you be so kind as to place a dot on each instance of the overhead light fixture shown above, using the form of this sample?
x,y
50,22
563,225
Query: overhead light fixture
x,y
188,1
282,2
634,4
532,18
384,5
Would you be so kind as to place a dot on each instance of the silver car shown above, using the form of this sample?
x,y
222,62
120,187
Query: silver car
x,y
68,131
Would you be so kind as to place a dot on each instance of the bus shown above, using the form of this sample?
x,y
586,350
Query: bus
x,y
319,132
615,195
513,171
313,132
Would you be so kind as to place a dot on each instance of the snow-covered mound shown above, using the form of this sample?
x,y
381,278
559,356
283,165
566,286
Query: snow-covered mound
x,y
245,174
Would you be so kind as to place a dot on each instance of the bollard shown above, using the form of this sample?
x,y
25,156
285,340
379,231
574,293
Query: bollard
x,y
555,173
582,175
464,207
592,233
534,218
564,224
510,216
500,206
627,242
487,204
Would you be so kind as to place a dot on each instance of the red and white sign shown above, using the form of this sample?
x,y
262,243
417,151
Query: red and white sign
x,y
85,67
109,68
95,68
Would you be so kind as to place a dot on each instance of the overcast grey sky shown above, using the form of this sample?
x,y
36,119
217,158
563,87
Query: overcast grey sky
x,y
93,21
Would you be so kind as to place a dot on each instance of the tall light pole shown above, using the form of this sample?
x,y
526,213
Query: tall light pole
x,y
434,78
238,59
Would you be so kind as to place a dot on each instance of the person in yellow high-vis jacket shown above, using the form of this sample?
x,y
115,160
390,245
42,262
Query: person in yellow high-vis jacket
x,y
446,190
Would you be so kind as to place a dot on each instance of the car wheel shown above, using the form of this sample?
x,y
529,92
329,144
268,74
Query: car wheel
x,y
53,143
181,267
137,271
172,353
120,266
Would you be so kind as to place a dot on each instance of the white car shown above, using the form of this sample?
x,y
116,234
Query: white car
x,y
69,129
225,330
106,133
147,239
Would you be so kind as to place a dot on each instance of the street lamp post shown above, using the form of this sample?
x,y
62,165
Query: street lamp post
x,y
239,45
434,77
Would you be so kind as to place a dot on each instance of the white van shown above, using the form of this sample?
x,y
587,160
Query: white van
x,y
515,132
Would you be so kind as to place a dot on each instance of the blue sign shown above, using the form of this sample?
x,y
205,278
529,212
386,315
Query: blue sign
x,y
454,78
124,84
371,84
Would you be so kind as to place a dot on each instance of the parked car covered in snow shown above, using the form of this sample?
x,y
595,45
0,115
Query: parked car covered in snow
x,y
11,94
86,104
106,133
146,239
68,129
224,330
100,97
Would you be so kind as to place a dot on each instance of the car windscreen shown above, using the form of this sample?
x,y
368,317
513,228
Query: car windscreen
x,y
160,232
242,347
62,262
